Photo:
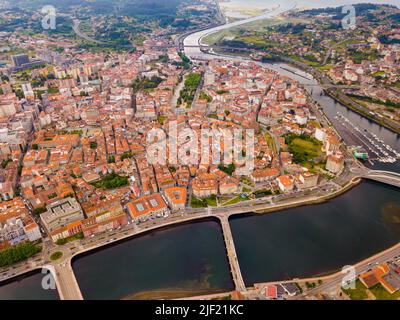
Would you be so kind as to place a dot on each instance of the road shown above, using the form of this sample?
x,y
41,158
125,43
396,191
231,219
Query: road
x,y
328,54
194,39
75,27
333,281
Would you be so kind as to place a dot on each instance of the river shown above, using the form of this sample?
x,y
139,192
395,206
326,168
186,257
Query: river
x,y
191,259
299,242
187,259
318,239
26,287
238,8
331,108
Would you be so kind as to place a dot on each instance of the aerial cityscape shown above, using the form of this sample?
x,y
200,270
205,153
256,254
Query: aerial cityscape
x,y
199,150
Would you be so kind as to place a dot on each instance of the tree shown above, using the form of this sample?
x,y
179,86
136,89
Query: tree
x,y
111,181
38,211
18,253
126,155
230,169
53,90
20,94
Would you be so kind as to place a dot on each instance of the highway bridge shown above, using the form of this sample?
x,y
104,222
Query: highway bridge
x,y
182,46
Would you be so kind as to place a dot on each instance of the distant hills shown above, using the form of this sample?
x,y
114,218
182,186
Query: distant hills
x,y
153,8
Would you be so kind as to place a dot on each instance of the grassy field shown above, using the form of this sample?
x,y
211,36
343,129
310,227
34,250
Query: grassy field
x,y
111,181
247,181
326,67
313,167
233,201
380,293
359,293
304,150
204,203
305,61
257,39
236,199
271,142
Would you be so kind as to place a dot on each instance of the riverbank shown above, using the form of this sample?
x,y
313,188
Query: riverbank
x,y
318,200
322,80
318,240
176,292
186,260
340,97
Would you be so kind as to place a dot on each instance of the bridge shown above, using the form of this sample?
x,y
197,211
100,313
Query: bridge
x,y
388,177
232,256
63,273
68,287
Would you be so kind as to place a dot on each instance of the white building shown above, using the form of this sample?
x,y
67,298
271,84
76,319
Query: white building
x,y
320,134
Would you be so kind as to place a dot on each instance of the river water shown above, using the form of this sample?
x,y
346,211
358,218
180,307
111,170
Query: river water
x,y
333,110
313,240
191,259
26,287
187,258
299,242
